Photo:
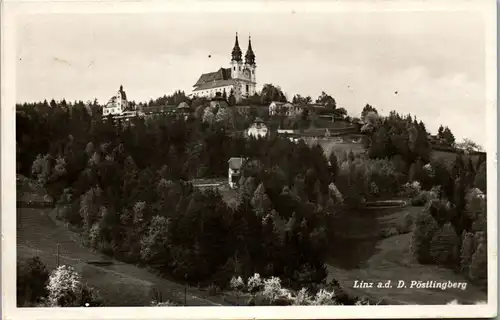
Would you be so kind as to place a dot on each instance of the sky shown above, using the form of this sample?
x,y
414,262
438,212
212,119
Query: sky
x,y
434,60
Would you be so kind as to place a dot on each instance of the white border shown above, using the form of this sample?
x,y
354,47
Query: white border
x,y
13,8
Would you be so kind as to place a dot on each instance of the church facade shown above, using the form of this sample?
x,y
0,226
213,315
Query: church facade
x,y
239,79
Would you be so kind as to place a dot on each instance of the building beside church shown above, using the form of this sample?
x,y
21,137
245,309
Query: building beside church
x,y
119,108
117,104
239,78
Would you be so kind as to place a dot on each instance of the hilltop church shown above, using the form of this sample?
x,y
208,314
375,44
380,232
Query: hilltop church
x,y
239,78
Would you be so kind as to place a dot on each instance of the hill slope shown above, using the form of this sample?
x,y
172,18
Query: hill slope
x,y
360,253
119,284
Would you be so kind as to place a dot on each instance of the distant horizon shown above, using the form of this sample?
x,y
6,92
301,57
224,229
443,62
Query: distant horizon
x,y
427,64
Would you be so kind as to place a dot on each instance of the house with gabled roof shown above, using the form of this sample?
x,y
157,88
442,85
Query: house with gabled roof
x,y
235,165
258,129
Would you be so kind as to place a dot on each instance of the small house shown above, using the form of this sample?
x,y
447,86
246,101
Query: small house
x,y
257,129
284,108
234,171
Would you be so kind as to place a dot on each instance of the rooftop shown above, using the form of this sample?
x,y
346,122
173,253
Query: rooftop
x,y
214,84
221,74
236,163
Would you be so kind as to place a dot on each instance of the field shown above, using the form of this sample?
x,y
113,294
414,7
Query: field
x,y
330,145
360,253
119,284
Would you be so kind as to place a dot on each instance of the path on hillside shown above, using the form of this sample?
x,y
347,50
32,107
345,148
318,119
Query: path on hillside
x,y
37,234
360,253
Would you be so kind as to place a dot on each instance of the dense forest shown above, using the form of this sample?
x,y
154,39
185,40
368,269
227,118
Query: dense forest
x,y
126,188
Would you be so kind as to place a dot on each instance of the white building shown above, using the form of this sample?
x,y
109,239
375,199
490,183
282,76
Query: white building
x,y
284,108
234,171
258,129
117,104
239,78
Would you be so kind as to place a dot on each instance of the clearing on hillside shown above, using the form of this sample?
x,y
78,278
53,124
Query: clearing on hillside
x,y
360,252
119,284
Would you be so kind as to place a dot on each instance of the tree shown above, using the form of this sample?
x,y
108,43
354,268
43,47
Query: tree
x,y
224,117
380,142
445,246
367,109
371,122
466,251
469,146
478,271
271,93
32,277
440,131
340,112
327,101
300,100
425,228
66,289
480,178
260,201
89,207
231,99
155,243
447,137
417,172
334,165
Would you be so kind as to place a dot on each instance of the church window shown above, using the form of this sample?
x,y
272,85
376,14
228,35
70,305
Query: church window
x,y
247,87
239,68
234,68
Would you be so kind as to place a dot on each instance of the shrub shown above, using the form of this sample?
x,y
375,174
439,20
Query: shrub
x,y
254,283
422,198
444,246
466,251
32,277
411,189
479,224
302,298
324,297
213,289
273,291
478,271
475,204
425,228
237,283
163,304
441,210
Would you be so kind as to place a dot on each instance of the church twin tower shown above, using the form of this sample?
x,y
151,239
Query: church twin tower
x,y
239,79
238,68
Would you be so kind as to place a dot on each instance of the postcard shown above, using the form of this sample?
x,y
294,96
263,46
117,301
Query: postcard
x,y
249,159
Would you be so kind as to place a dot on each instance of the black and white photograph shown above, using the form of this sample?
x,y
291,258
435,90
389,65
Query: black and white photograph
x,y
250,159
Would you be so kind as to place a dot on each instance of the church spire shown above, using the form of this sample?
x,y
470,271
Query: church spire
x,y
250,56
236,54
